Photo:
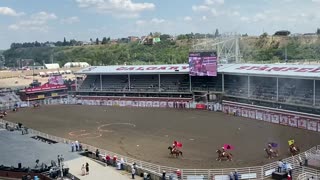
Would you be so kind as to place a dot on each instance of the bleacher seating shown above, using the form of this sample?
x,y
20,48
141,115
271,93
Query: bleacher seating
x,y
8,96
138,83
207,83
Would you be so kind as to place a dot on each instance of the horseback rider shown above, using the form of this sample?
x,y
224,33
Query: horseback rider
x,y
223,151
174,146
270,148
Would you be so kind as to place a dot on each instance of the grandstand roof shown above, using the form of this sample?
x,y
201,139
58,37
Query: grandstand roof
x,y
290,70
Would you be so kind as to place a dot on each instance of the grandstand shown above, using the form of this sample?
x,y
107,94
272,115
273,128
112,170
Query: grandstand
x,y
292,87
8,97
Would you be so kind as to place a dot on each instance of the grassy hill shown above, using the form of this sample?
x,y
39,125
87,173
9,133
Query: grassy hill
x,y
253,49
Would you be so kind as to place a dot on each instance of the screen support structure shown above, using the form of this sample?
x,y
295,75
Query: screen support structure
x,y
159,85
129,82
190,87
248,86
222,82
314,92
277,89
100,82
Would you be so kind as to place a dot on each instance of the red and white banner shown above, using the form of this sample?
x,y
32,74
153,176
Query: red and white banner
x,y
302,123
259,115
244,112
170,104
155,104
142,104
267,117
149,104
252,114
278,116
275,118
293,121
312,125
163,104
284,120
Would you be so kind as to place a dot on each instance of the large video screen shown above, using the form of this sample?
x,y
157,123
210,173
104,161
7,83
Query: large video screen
x,y
203,63
56,80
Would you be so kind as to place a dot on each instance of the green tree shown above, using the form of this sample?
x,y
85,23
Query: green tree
x,y
104,40
97,41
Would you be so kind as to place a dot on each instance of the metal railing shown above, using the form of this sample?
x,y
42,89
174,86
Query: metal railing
x,y
257,172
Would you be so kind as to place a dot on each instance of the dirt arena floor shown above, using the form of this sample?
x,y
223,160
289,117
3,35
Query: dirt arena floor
x,y
145,134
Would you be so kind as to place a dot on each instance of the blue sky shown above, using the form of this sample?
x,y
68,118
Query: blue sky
x,y
51,20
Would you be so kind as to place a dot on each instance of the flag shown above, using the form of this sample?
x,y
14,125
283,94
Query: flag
x,y
179,144
228,146
274,145
291,142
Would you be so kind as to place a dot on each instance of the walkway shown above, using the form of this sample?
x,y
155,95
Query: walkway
x,y
97,171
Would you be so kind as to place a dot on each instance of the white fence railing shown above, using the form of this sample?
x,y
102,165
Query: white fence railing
x,y
257,172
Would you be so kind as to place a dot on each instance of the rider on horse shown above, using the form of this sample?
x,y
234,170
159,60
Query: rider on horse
x,y
270,148
223,151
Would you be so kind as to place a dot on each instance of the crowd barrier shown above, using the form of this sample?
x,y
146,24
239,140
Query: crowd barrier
x,y
257,172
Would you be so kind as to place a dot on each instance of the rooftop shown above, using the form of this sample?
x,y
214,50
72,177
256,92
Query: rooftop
x,y
282,70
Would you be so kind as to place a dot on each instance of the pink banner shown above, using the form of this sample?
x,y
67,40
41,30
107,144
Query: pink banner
x,y
129,103
259,115
109,102
122,103
252,114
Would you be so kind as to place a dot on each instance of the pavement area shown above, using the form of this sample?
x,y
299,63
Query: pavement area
x,y
96,170
25,150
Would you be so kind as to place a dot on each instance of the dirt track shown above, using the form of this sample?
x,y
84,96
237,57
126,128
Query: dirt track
x,y
201,133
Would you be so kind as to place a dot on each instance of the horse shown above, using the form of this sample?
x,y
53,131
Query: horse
x,y
222,155
3,114
294,150
271,154
36,105
176,152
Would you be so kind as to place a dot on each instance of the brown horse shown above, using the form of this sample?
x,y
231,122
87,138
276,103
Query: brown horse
x,y
294,150
3,114
175,152
222,155
271,153
36,105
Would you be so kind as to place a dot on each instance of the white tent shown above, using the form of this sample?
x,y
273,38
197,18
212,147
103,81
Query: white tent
x,y
52,66
76,64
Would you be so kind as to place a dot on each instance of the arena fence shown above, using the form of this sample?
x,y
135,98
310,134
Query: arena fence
x,y
257,172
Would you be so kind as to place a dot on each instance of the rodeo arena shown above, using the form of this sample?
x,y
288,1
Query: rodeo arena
x,y
199,121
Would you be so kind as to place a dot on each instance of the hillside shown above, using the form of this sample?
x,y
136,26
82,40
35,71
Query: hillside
x,y
253,49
